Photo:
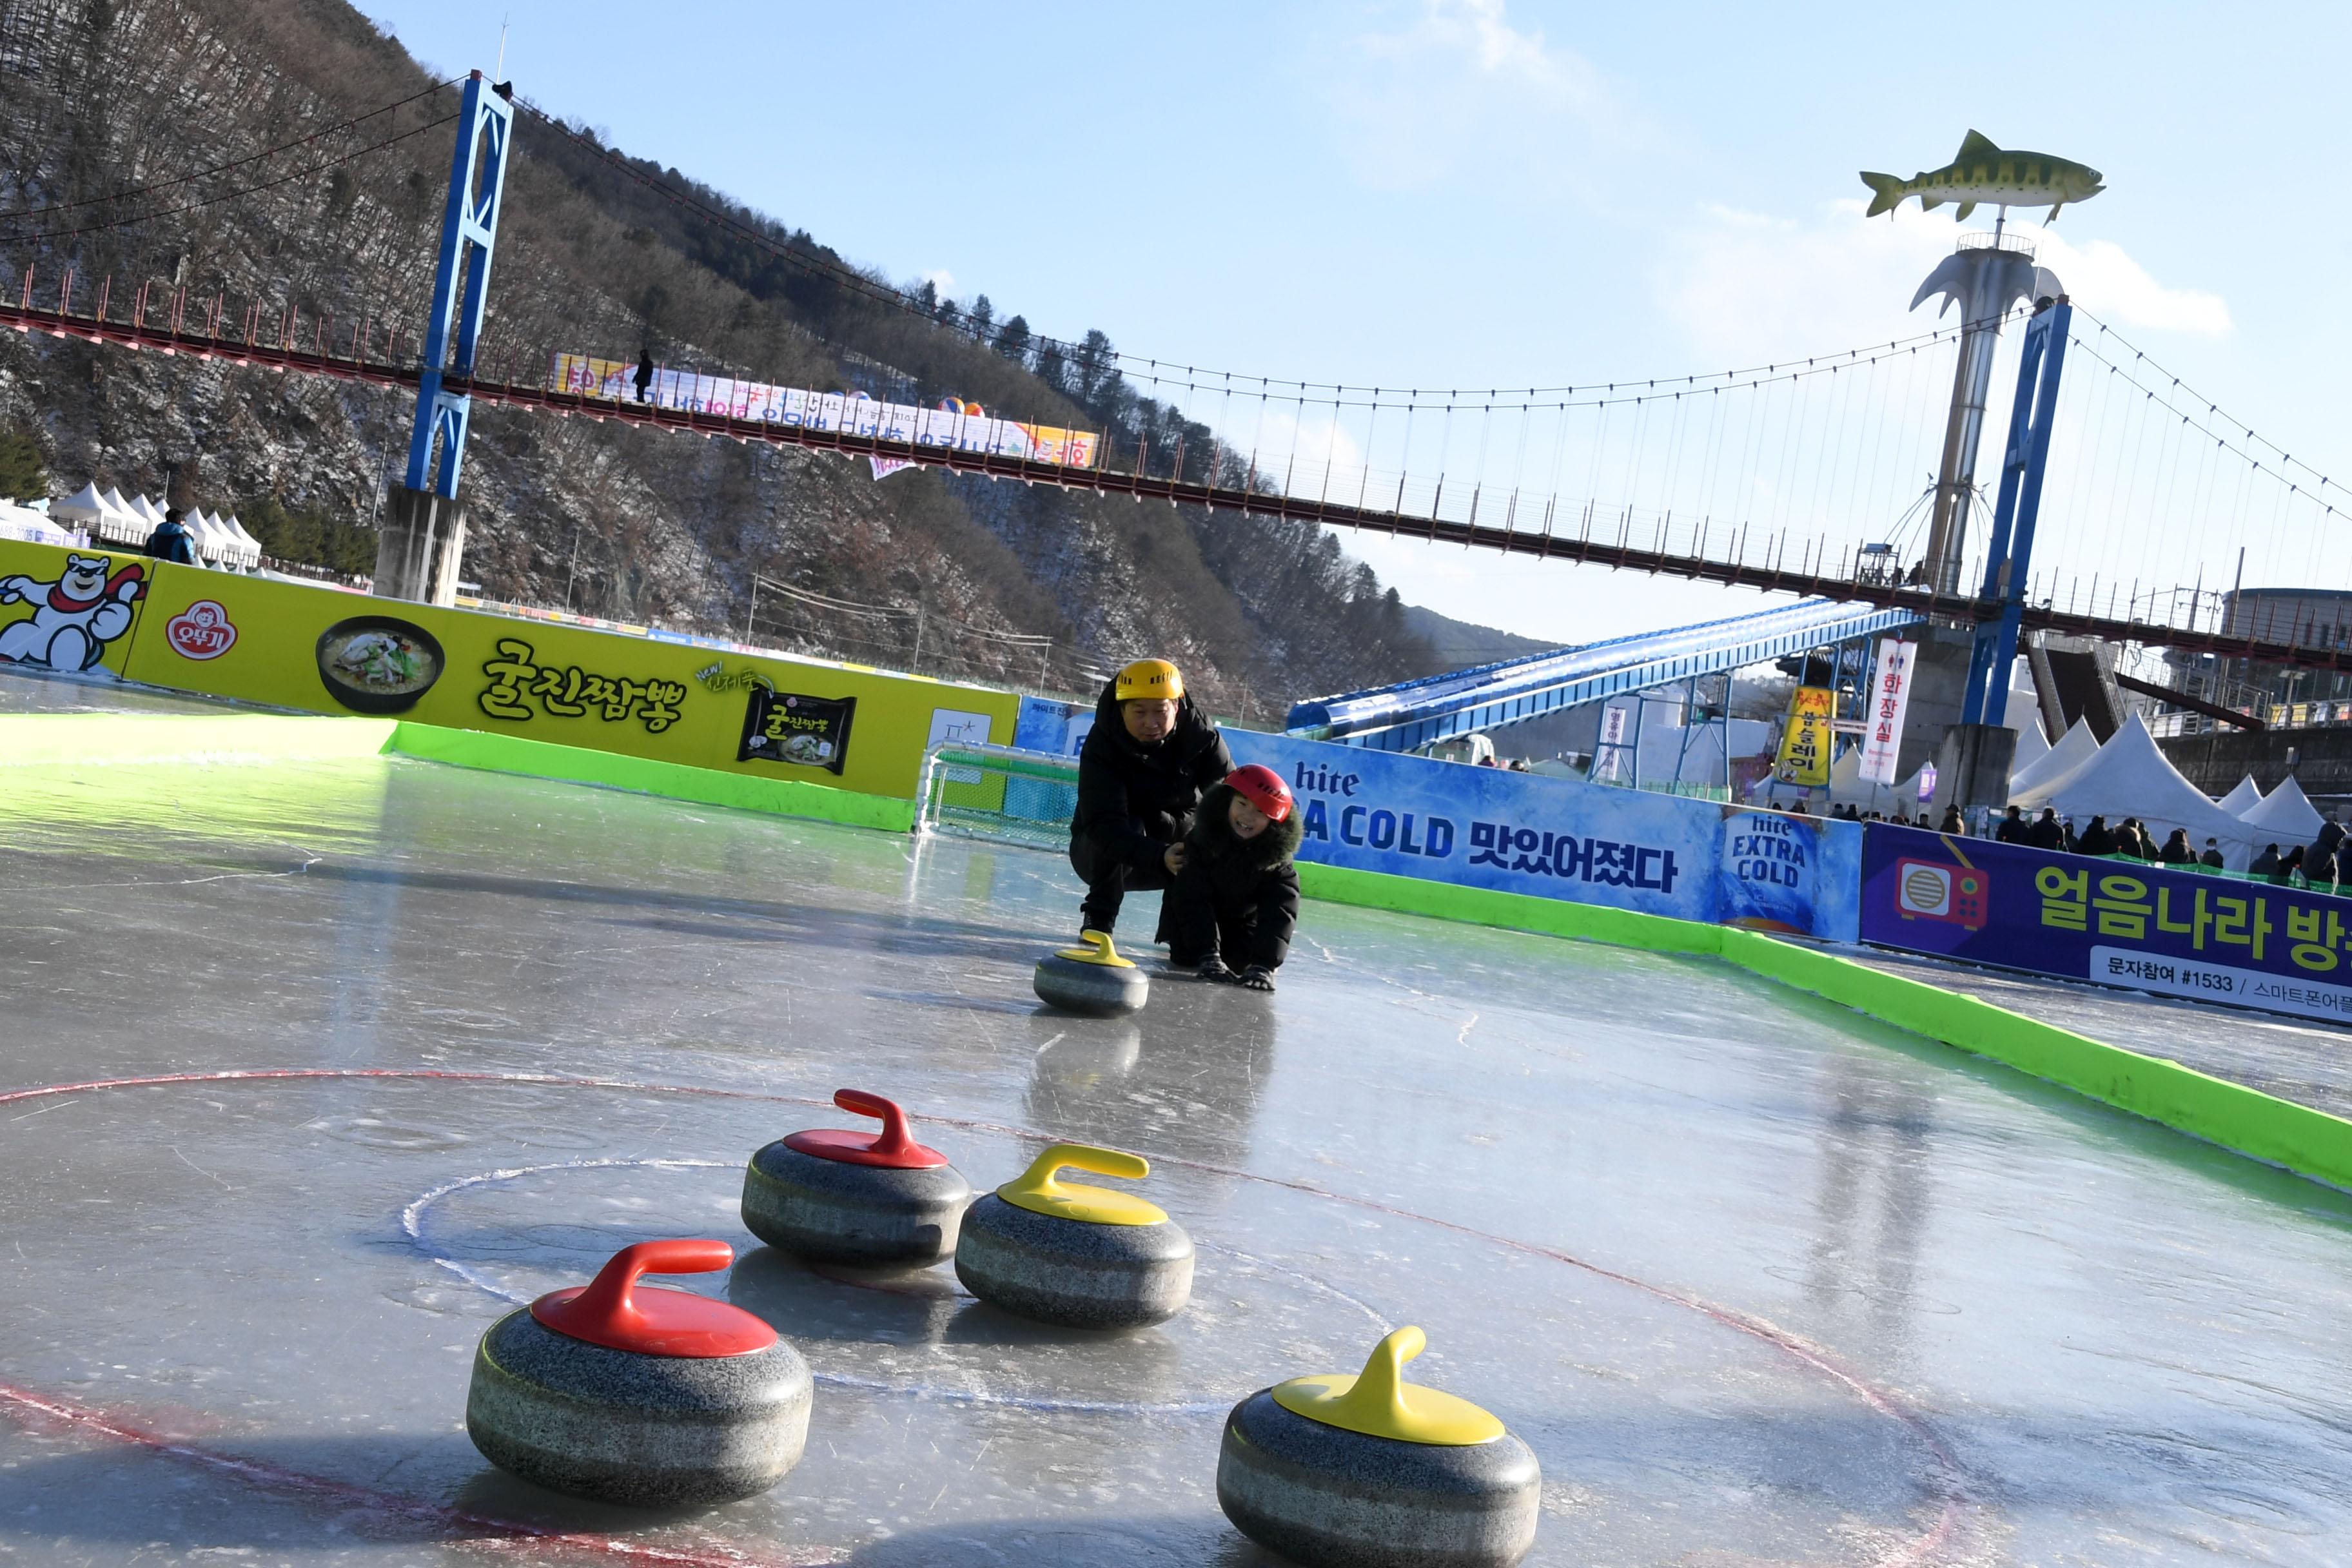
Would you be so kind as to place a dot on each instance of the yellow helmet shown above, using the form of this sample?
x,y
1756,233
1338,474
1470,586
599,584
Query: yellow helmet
x,y
1149,679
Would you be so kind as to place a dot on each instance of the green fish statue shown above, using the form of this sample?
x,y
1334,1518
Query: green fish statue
x,y
1984,173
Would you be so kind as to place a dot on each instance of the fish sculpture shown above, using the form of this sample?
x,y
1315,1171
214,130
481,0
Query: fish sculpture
x,y
1984,173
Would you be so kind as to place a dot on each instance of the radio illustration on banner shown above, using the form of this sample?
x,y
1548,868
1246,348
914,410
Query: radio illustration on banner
x,y
1928,891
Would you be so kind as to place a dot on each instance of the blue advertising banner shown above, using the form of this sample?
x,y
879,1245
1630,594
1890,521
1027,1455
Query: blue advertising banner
x,y
1559,838
2112,922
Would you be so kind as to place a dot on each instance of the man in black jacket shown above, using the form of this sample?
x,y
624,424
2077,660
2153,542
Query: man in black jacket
x,y
1236,903
1140,775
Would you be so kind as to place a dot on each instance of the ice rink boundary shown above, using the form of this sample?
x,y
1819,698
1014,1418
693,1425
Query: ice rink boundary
x,y
2246,1121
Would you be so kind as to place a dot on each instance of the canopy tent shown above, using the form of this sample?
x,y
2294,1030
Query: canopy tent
x,y
2031,747
2243,797
149,512
82,508
2074,748
2131,776
2286,815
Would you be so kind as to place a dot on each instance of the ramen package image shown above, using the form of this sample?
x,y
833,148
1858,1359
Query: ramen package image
x,y
799,732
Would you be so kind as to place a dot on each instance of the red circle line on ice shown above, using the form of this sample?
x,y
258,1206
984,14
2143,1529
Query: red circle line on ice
x,y
1946,1485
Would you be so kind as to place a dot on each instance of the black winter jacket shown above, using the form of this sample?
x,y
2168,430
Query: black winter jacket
x,y
1235,896
1134,800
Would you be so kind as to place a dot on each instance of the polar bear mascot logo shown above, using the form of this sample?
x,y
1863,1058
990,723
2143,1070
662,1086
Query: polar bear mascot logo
x,y
74,617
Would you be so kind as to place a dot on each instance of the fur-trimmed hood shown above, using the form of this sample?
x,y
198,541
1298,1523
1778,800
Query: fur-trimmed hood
x,y
1212,835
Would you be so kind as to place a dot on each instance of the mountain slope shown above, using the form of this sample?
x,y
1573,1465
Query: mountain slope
x,y
602,254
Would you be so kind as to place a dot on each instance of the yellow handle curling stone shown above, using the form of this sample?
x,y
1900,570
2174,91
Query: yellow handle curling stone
x,y
1080,1256
1091,978
1370,1471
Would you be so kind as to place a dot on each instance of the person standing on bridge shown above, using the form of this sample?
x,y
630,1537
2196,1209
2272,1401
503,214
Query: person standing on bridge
x,y
1151,755
644,375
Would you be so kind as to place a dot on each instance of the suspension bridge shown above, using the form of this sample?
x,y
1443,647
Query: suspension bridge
x,y
1813,477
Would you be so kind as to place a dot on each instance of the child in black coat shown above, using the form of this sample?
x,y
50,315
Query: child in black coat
x,y
1234,905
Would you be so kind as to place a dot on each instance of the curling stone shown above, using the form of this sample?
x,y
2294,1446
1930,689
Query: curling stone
x,y
646,1397
1083,1258
842,1197
1092,978
1372,1471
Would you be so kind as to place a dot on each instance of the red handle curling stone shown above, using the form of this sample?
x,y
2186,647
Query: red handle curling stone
x,y
610,1312
894,1148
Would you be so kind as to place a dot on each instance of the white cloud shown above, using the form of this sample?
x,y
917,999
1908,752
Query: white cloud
x,y
1460,90
941,279
1745,286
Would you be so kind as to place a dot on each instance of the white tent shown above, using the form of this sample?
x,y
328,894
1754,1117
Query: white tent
x,y
149,512
81,508
2131,776
2243,797
236,547
2286,815
213,541
2031,747
2074,749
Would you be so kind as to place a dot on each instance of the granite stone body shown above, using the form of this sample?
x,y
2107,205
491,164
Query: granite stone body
x,y
1071,1272
837,1211
1101,990
1324,1495
626,1428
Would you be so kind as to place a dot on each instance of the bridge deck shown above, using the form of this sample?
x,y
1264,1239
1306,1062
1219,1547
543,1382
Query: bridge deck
x,y
1600,540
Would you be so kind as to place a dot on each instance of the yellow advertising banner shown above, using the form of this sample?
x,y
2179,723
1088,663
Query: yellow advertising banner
x,y
1805,742
294,645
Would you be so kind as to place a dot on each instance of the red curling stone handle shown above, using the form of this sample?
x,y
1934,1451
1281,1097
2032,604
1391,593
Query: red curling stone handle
x,y
894,1148
896,1140
609,1312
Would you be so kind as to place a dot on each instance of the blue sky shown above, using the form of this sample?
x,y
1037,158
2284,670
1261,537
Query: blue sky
x,y
1465,192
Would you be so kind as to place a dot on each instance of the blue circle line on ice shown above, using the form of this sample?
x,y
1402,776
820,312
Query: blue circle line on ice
x,y
412,1225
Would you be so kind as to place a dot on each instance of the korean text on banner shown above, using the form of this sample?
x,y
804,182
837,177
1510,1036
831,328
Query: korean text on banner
x,y
292,645
1560,838
2111,923
1890,697
831,412
1805,742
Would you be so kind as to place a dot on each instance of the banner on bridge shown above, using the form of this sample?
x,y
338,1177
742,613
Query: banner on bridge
x,y
847,414
2111,923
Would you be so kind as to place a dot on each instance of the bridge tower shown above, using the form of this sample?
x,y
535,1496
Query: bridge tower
x,y
1987,275
424,537
1972,770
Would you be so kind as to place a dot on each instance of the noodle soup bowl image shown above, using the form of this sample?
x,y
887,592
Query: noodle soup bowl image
x,y
376,664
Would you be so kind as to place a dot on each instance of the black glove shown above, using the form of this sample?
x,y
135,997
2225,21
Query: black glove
x,y
1257,978
1214,968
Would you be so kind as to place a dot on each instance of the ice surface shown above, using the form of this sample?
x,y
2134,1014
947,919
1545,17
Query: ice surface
x,y
1759,1279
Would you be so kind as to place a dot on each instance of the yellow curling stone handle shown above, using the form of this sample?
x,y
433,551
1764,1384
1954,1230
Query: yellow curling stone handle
x,y
1379,1402
1037,1190
1094,947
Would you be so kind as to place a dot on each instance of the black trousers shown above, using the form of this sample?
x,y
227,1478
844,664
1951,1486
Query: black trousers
x,y
1195,927
1109,881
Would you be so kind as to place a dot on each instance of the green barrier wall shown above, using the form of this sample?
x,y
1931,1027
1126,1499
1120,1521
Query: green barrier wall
x,y
2308,1141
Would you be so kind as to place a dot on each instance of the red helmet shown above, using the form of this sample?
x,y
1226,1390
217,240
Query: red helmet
x,y
1263,788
